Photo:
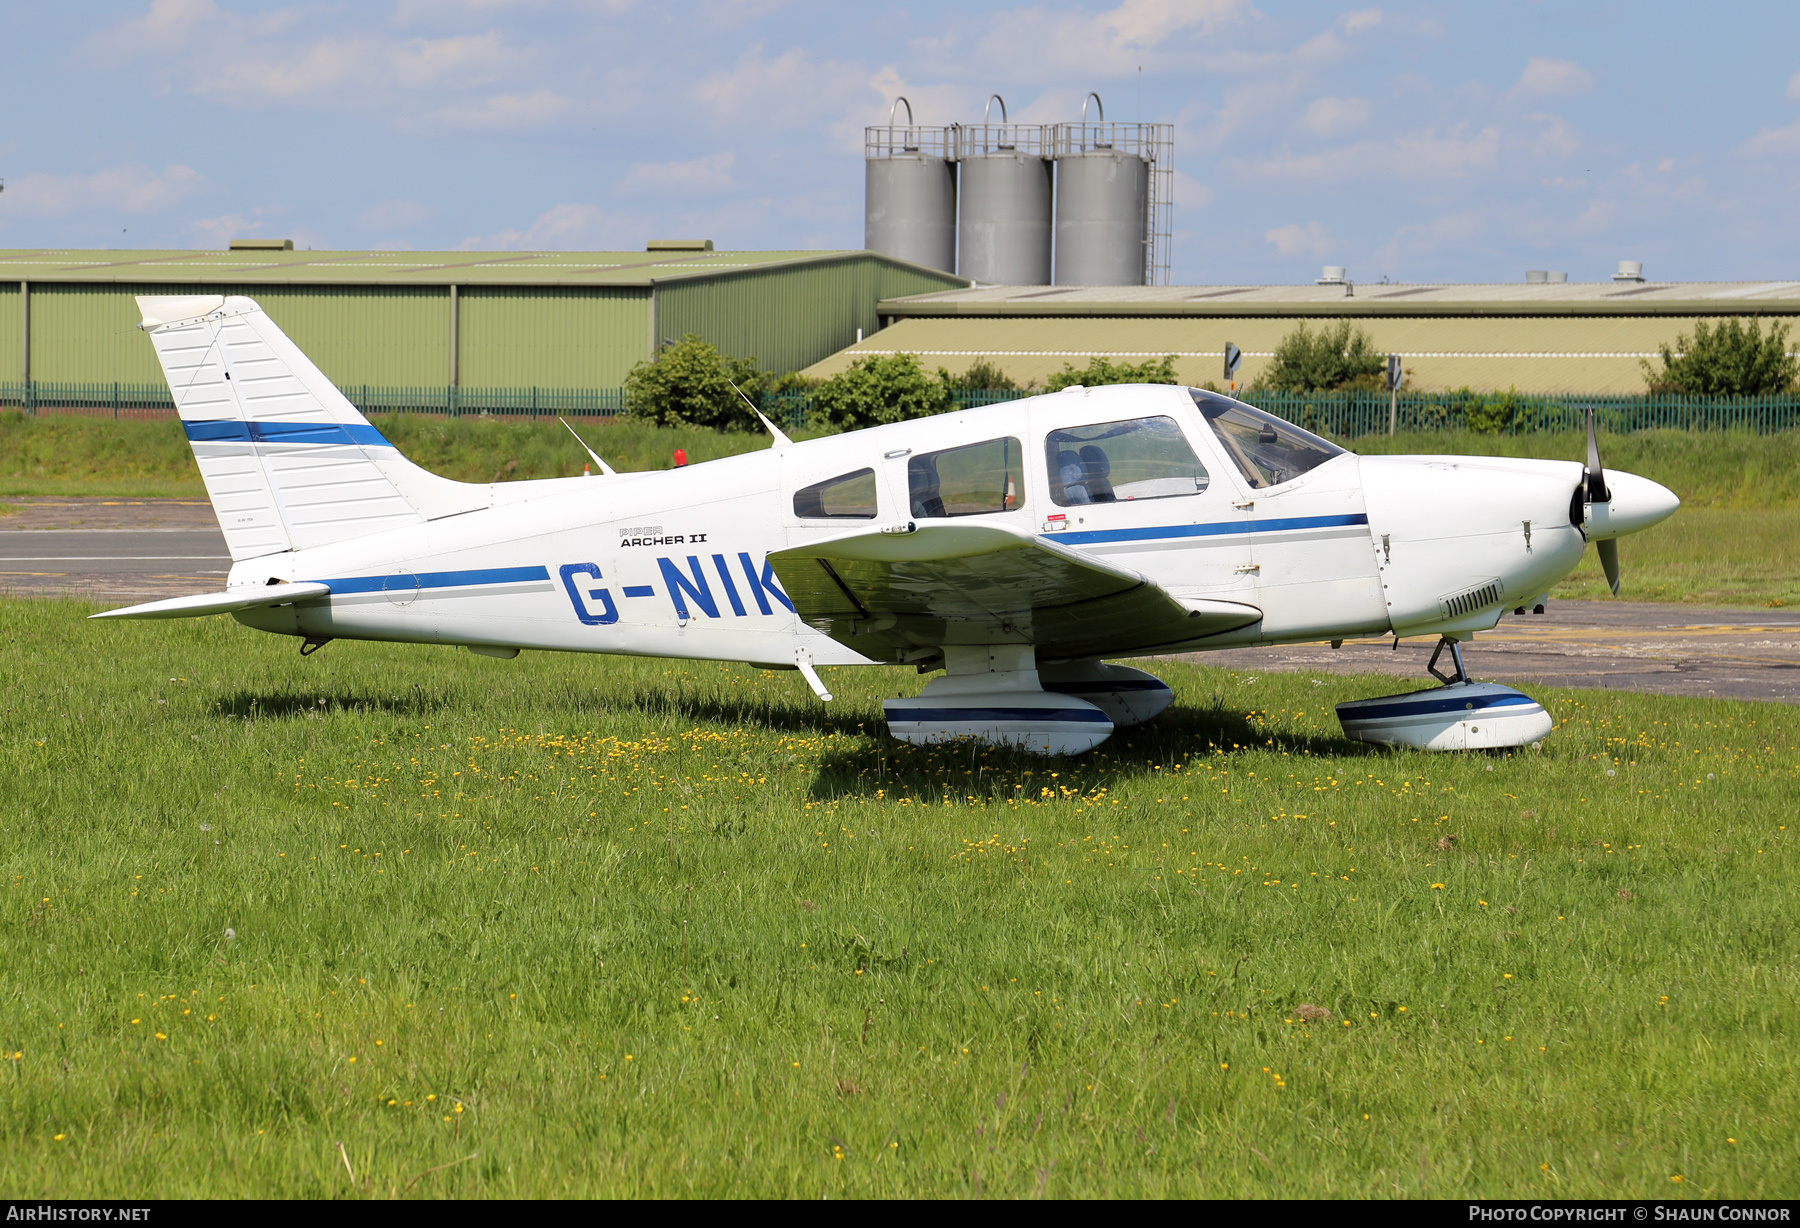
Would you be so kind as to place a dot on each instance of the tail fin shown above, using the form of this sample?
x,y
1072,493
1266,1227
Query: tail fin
x,y
288,462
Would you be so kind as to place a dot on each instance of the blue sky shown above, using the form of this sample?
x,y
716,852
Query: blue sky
x,y
1435,141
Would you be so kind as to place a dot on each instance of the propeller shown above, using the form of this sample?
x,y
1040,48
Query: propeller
x,y
1597,492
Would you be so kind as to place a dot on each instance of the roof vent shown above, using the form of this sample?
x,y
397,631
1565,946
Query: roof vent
x,y
1536,277
1333,275
1630,270
262,245
1557,277
679,245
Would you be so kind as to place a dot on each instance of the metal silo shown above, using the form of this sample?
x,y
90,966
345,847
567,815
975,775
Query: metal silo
x,y
1005,226
909,185
1111,201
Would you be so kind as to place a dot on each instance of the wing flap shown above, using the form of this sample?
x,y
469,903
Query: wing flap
x,y
202,604
889,592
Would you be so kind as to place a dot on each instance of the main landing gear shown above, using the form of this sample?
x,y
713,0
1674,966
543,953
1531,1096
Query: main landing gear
x,y
1459,715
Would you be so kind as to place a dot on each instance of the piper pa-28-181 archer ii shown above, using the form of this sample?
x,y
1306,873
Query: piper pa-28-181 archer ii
x,y
1018,548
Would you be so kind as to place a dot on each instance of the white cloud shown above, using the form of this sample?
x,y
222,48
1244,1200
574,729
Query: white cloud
x,y
132,188
1793,88
1329,117
393,215
1543,77
502,112
1426,154
710,174
338,71
1359,20
1038,44
1295,239
1190,193
1139,25
218,232
567,227
1773,142
1558,138
790,88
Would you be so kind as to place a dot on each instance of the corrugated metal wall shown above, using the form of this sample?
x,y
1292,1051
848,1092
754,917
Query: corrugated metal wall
x,y
1532,354
551,337
753,314
10,347
84,333
510,336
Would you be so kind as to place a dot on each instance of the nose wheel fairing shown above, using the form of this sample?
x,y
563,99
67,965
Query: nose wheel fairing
x,y
1460,715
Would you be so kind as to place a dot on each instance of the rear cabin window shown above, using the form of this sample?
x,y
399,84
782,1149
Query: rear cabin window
x,y
849,496
1122,462
976,480
1267,450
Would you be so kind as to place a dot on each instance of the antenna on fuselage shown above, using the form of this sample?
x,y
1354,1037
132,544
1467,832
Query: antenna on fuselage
x,y
780,438
604,467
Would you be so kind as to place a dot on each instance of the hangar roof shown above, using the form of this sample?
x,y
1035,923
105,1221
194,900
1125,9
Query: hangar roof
x,y
399,268
1607,298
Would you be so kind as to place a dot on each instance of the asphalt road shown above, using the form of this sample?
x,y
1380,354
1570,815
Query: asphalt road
x,y
123,551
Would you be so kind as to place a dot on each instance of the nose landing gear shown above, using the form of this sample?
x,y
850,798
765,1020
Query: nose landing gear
x,y
1459,715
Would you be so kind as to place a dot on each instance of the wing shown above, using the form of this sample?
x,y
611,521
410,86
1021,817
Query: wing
x,y
899,593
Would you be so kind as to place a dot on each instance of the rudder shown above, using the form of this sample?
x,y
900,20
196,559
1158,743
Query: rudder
x,y
288,462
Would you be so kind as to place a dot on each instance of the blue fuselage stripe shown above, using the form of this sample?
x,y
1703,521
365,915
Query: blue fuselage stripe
x,y
230,430
1163,532
436,579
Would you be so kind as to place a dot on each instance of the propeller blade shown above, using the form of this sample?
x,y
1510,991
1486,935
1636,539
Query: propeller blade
x,y
1596,476
1608,549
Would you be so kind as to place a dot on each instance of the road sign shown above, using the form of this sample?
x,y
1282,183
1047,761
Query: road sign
x,y
1233,356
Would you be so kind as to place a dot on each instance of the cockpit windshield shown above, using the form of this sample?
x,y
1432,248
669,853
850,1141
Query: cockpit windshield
x,y
1267,450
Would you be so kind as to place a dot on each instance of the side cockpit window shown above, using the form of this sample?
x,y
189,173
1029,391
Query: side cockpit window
x,y
1267,450
1120,462
979,479
849,496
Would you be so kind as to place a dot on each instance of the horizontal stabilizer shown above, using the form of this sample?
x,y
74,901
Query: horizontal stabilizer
x,y
222,603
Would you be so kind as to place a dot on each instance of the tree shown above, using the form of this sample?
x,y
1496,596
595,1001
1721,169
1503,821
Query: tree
x,y
688,383
880,389
1101,371
1334,358
1725,360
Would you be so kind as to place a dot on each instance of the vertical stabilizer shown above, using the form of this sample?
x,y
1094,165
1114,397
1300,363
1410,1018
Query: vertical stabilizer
x,y
288,462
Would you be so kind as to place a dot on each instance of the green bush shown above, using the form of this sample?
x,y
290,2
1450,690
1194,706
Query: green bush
x,y
982,375
1335,358
689,382
1725,360
1101,371
880,389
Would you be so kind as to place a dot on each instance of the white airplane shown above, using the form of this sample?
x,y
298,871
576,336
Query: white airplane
x,y
1017,548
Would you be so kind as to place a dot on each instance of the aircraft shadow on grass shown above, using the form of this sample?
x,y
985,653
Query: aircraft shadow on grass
x,y
845,768
1131,754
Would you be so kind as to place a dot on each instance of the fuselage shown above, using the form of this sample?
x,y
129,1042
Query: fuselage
x,y
676,563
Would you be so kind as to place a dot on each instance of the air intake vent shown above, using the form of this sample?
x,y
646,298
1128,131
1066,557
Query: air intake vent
x,y
1475,599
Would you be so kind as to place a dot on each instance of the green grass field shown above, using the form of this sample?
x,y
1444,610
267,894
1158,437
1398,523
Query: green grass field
x,y
590,926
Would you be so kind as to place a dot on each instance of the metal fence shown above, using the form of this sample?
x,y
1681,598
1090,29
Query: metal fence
x,y
1345,415
1350,414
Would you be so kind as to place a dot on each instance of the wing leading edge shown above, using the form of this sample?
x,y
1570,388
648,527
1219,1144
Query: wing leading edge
x,y
891,592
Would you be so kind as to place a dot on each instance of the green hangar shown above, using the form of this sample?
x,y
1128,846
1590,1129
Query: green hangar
x,y
553,320
1534,336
